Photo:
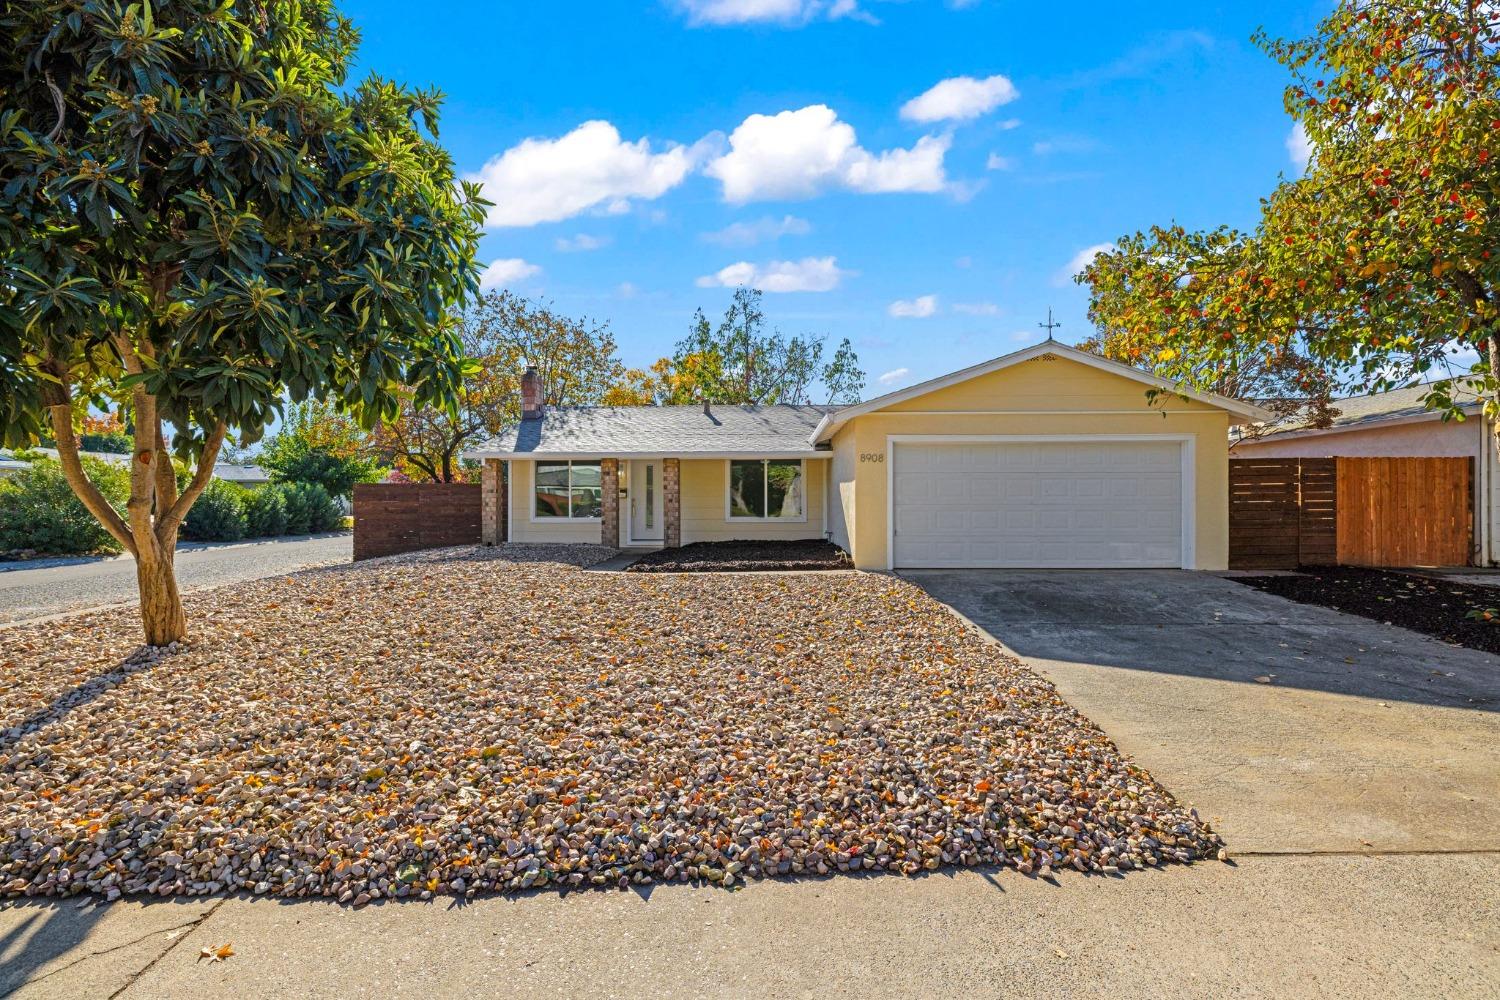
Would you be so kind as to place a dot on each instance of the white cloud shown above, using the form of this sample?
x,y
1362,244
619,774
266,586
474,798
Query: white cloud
x,y
627,290
720,12
810,274
547,180
797,154
893,376
744,234
581,242
507,271
918,308
1008,124
1299,147
998,162
960,98
1081,260
976,308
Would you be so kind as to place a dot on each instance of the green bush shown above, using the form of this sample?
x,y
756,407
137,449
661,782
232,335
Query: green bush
x,y
218,515
309,509
39,510
265,512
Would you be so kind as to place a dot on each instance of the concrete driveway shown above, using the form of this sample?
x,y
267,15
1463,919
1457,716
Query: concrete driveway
x,y
1294,728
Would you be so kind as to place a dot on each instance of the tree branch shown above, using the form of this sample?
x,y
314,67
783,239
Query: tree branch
x,y
83,486
167,523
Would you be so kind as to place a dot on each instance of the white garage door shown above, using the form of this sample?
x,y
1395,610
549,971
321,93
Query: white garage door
x,y
1065,504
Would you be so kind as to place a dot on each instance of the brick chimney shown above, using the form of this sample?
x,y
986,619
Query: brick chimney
x,y
531,394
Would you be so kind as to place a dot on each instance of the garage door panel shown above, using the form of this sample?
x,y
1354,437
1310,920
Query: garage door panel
x,y
1038,504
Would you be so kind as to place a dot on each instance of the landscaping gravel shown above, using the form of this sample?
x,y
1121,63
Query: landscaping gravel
x,y
465,722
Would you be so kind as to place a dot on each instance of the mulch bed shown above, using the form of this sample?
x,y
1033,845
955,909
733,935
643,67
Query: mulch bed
x,y
744,557
1429,605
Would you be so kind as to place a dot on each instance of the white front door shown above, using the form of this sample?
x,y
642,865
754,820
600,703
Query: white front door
x,y
646,515
1065,504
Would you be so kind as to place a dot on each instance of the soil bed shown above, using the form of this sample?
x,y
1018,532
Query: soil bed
x,y
744,557
1425,604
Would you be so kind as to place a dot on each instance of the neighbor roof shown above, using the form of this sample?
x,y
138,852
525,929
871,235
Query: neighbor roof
x,y
1380,407
650,431
825,431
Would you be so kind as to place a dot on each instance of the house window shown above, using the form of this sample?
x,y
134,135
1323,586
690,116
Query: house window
x,y
573,490
766,490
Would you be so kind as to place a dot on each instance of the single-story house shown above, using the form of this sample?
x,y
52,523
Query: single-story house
x,y
1398,424
1047,457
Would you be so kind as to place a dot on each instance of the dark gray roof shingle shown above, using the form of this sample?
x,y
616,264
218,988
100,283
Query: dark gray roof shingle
x,y
658,430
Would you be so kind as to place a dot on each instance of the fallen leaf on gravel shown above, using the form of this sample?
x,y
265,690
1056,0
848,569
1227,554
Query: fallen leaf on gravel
x,y
707,729
1060,953
213,954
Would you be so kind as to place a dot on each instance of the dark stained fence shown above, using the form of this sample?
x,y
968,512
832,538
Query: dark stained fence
x,y
1291,512
1281,512
390,518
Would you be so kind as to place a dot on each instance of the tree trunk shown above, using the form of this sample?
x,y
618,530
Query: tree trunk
x,y
162,617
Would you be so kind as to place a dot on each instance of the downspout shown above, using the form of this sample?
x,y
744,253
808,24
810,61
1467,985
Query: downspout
x,y
510,501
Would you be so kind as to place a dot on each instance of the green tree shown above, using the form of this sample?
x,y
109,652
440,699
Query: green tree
x,y
1374,266
319,444
199,218
575,358
740,361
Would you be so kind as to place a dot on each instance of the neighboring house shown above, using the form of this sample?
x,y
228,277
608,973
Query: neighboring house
x,y
10,465
1397,424
250,476
1048,457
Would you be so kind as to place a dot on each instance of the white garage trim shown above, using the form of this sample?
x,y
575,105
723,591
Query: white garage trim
x,y
1185,441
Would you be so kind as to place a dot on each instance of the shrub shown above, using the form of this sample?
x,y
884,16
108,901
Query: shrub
x,y
265,512
309,509
218,515
39,510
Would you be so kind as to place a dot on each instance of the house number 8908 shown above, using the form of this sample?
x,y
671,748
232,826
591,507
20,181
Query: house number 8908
x,y
872,456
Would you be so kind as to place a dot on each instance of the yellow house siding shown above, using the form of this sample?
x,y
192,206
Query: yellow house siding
x,y
552,529
841,483
704,491
1042,385
1102,404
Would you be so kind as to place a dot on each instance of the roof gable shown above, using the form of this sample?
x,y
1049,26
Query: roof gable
x,y
1245,412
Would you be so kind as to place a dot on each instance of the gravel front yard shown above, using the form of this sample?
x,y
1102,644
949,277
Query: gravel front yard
x,y
461,722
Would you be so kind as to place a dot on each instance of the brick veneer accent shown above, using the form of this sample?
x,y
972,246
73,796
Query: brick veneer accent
x,y
671,481
609,482
493,521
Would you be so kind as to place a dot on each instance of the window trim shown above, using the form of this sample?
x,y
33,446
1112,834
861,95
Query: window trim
x,y
570,519
730,516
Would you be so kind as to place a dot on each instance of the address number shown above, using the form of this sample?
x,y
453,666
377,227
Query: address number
x,y
872,456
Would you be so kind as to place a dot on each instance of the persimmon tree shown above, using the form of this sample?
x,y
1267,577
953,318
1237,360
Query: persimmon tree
x,y
1373,268
198,219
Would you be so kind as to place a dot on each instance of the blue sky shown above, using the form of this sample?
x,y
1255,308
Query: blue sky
x,y
646,156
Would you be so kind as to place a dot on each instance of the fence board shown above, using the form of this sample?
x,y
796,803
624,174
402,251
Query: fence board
x,y
390,518
1405,511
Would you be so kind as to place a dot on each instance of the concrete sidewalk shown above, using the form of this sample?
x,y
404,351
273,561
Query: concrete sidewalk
x,y
1264,927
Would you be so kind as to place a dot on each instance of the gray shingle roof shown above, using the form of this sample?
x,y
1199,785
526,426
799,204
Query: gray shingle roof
x,y
603,431
1355,411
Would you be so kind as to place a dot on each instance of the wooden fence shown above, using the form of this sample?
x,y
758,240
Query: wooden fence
x,y
401,517
1290,512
